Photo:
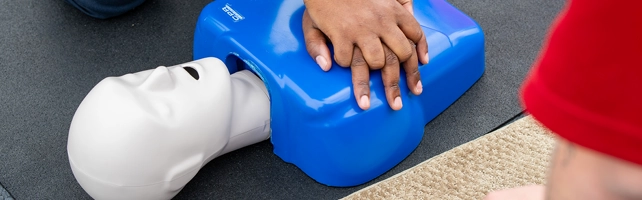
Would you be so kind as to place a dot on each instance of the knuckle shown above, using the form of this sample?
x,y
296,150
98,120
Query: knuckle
x,y
377,63
415,72
341,60
358,60
406,55
377,60
363,85
394,85
391,58
413,44
422,40
417,34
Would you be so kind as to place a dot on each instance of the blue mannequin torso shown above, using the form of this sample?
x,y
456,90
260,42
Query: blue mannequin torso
x,y
316,122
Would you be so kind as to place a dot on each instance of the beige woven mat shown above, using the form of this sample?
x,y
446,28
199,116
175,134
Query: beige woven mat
x,y
515,155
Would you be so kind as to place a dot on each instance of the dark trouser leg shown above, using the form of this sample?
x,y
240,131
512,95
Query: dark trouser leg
x,y
104,9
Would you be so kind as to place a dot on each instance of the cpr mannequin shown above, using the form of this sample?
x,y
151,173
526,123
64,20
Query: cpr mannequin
x,y
145,135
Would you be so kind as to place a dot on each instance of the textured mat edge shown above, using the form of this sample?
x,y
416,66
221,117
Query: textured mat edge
x,y
388,188
4,194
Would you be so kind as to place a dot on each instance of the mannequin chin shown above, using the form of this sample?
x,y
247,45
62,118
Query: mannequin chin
x,y
145,135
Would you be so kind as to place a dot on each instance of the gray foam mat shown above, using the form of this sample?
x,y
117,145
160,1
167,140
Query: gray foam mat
x,y
4,195
51,55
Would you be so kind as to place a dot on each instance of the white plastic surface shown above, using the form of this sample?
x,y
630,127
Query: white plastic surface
x,y
146,135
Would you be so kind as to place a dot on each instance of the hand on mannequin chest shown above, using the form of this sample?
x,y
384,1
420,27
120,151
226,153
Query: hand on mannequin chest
x,y
145,135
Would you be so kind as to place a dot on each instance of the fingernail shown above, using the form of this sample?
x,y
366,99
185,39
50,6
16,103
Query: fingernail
x,y
427,58
397,103
364,102
419,88
322,63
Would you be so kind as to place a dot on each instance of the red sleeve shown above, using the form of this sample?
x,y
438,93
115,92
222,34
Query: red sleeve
x,y
587,83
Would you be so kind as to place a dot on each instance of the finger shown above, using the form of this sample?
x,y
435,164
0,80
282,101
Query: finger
x,y
422,50
342,52
372,51
315,43
397,42
390,76
407,4
413,77
360,79
412,30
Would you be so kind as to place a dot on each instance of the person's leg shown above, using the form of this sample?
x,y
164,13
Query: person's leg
x,y
103,9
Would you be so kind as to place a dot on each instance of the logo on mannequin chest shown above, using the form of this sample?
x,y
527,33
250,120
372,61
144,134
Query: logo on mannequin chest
x,y
232,13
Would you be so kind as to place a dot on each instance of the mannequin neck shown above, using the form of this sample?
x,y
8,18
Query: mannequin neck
x,y
250,112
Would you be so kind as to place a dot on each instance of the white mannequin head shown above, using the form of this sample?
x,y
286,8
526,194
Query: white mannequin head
x,y
145,135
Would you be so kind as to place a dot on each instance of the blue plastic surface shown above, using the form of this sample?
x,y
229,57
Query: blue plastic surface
x,y
316,122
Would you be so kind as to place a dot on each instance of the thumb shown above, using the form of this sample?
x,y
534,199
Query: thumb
x,y
407,4
315,43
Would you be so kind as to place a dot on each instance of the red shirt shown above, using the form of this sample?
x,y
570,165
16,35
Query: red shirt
x,y
586,85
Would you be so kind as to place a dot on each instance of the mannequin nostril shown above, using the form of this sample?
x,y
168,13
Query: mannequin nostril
x,y
192,72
